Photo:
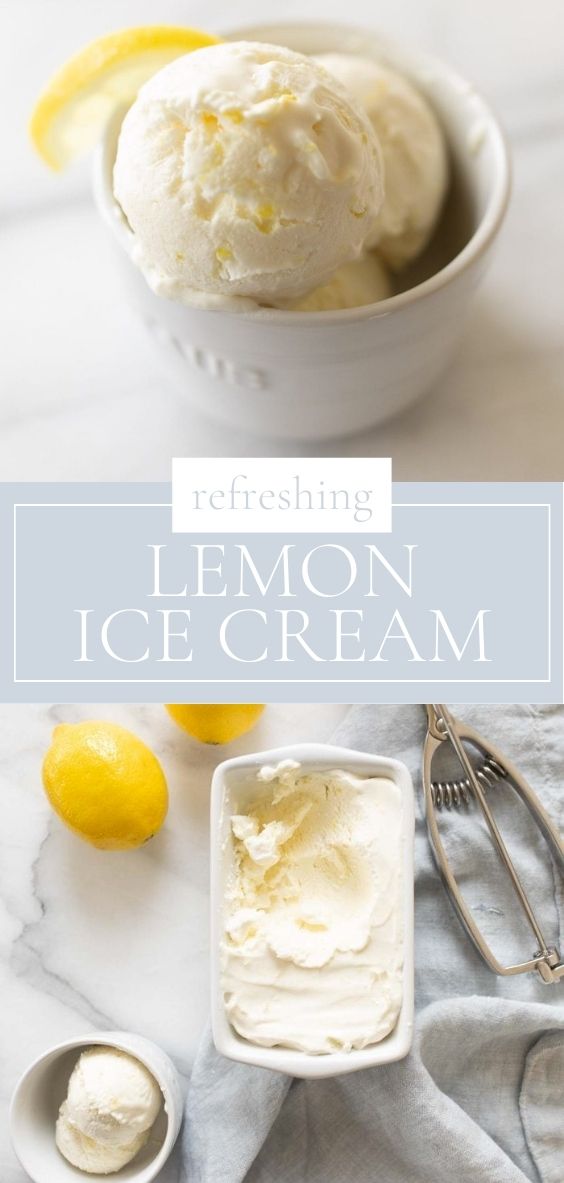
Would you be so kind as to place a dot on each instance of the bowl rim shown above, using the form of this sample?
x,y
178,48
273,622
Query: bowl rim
x,y
474,248
129,1042
228,1043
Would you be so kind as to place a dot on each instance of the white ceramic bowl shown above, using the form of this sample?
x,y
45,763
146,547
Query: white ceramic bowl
x,y
313,376
312,756
42,1088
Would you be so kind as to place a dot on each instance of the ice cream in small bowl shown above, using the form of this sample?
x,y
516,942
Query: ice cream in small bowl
x,y
108,1104
301,215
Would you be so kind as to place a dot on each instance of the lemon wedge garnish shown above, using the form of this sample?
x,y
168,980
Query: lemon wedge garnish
x,y
70,115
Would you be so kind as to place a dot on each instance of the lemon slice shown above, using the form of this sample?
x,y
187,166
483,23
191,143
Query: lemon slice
x,y
71,113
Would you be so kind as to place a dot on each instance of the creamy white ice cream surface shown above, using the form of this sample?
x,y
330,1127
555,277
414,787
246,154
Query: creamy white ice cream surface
x,y
94,1158
365,281
111,1105
312,954
414,151
247,174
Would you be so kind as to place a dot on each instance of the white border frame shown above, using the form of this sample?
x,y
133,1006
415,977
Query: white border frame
x,y
286,681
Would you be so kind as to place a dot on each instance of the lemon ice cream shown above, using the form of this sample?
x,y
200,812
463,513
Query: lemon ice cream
x,y
413,149
312,953
365,281
111,1105
90,1156
248,174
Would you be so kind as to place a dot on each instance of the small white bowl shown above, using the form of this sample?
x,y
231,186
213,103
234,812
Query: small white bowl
x,y
43,1087
317,375
311,756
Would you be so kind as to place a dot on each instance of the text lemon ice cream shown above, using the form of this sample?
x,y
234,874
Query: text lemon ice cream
x,y
246,173
312,953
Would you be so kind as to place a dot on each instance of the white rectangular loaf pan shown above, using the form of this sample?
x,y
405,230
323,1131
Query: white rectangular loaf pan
x,y
227,777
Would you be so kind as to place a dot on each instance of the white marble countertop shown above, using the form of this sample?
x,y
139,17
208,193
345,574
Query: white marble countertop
x,y
83,394
103,940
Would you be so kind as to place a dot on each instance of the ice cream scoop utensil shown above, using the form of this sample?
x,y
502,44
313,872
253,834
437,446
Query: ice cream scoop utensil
x,y
456,793
442,728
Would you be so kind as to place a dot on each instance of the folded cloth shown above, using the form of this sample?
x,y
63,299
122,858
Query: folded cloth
x,y
481,1095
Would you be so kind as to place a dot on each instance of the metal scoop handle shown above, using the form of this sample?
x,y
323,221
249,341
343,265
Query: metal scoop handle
x,y
442,727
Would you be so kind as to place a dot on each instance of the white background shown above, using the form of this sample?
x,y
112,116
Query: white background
x,y
83,395
306,487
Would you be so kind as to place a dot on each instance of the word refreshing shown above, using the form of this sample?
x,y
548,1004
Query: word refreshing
x,y
296,497
305,495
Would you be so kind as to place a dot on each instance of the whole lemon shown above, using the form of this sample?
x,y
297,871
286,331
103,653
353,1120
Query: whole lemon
x,y
215,722
105,784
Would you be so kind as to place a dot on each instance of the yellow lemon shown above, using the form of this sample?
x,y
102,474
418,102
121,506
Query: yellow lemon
x,y
70,115
216,722
105,784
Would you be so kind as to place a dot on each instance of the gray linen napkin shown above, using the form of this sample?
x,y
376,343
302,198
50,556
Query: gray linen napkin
x,y
481,1095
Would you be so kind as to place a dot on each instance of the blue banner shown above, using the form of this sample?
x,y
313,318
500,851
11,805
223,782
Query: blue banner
x,y
101,601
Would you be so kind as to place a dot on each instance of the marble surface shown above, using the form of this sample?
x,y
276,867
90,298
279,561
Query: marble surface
x,y
103,940
83,393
